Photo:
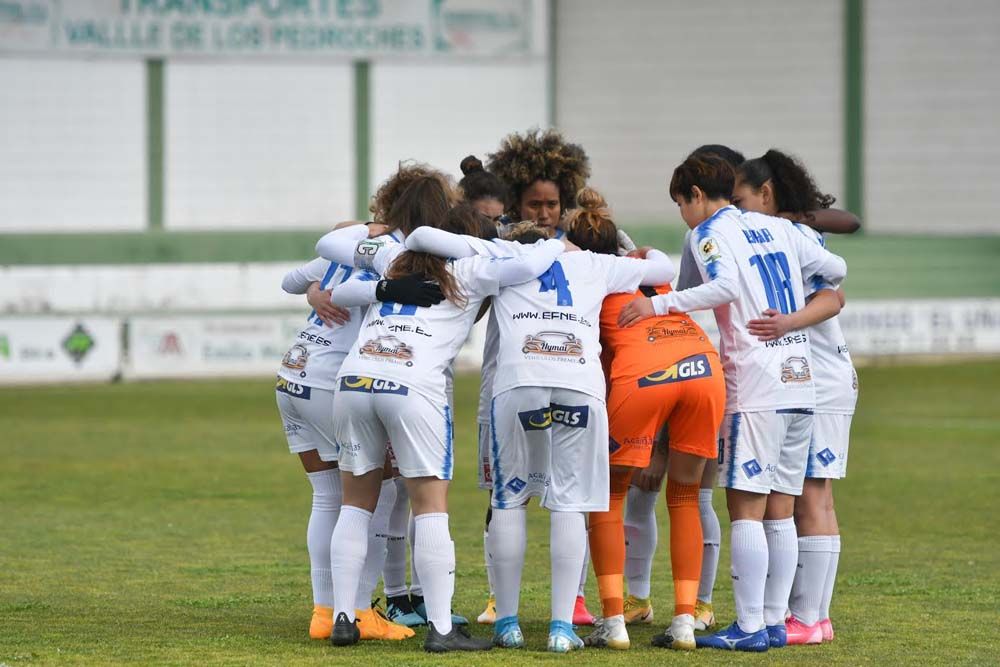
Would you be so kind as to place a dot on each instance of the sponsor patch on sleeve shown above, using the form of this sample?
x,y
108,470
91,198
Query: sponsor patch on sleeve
x,y
365,253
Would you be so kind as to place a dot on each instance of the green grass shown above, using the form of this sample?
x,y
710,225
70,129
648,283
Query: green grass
x,y
879,266
165,523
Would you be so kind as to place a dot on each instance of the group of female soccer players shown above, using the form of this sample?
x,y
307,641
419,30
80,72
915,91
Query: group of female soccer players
x,y
595,384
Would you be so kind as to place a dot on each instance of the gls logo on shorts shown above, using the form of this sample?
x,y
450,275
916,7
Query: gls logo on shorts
x,y
368,385
574,416
696,366
292,389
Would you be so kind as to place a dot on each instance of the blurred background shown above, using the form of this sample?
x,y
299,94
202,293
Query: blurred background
x,y
164,162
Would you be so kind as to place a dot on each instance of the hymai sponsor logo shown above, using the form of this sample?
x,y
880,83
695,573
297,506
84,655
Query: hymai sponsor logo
x,y
557,344
388,347
795,369
669,329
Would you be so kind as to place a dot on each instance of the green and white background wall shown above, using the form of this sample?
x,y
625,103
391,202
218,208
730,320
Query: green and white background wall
x,y
163,162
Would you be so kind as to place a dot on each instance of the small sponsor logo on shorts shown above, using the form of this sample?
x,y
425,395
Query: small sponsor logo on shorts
x,y
696,366
574,416
795,369
539,478
367,385
292,389
516,484
292,429
826,457
752,468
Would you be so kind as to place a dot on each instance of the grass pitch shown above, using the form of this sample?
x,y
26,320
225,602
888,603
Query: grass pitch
x,y
165,523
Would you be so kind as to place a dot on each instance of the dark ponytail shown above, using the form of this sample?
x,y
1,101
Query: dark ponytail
x,y
477,183
795,191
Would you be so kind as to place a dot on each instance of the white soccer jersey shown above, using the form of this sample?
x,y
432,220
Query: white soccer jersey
x,y
833,371
315,355
749,263
550,327
416,346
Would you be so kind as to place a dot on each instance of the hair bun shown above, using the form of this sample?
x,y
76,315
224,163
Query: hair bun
x,y
590,199
471,163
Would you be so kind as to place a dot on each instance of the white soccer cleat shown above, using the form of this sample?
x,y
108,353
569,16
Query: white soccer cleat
x,y
609,632
679,636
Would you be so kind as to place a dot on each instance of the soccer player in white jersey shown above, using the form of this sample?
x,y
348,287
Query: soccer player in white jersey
x,y
750,263
305,387
392,386
543,172
768,184
548,419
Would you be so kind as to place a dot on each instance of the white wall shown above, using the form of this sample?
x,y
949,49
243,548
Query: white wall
x,y
640,84
933,127
256,145
438,114
72,145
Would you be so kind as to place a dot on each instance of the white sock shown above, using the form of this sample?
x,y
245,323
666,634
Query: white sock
x,y
488,560
394,570
326,501
640,539
377,538
782,563
831,578
348,548
415,587
711,544
585,567
507,543
567,544
749,571
810,578
434,553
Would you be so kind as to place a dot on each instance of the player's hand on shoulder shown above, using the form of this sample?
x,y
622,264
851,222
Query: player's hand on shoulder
x,y
329,313
411,290
635,311
640,253
771,326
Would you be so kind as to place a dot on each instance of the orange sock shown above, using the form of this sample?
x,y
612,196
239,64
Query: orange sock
x,y
607,546
685,544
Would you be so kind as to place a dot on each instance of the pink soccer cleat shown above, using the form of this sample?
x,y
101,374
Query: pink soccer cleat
x,y
580,614
800,633
827,627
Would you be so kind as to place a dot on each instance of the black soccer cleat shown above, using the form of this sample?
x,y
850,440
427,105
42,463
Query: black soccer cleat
x,y
345,631
458,639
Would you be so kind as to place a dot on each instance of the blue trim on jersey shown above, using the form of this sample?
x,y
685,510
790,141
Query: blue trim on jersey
x,y
703,229
818,283
449,432
559,233
367,276
348,270
392,235
329,274
734,434
795,411
495,456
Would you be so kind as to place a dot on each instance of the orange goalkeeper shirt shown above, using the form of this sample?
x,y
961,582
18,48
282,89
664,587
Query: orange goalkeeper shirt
x,y
651,345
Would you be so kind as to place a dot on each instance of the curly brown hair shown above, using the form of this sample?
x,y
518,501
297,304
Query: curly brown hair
x,y
390,190
539,155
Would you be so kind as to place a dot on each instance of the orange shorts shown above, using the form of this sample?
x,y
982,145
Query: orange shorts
x,y
689,396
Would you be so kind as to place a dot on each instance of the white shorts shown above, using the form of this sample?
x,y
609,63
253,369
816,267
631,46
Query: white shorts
x,y
828,447
369,412
485,478
762,452
551,443
307,413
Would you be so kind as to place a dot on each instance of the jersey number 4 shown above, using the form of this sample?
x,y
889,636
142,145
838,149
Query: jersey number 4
x,y
555,280
777,279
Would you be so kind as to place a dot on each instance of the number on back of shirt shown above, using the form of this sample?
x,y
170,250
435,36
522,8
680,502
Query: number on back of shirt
x,y
777,279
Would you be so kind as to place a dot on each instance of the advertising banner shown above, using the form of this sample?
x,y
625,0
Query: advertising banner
x,y
283,28
208,346
59,349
